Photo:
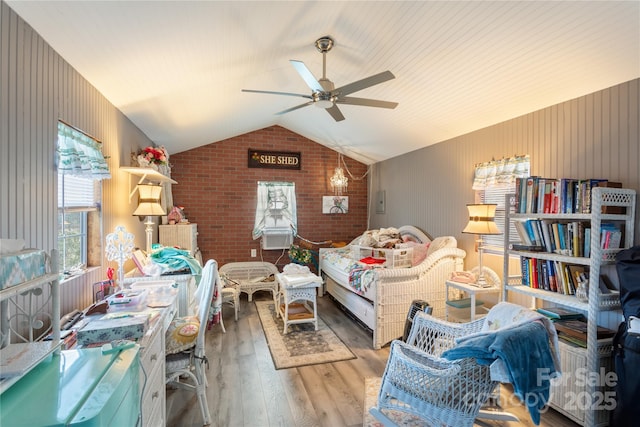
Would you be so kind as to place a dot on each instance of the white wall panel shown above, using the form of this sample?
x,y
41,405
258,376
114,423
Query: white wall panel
x,y
594,136
37,87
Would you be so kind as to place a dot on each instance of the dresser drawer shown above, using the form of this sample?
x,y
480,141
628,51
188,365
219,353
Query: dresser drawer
x,y
153,351
153,399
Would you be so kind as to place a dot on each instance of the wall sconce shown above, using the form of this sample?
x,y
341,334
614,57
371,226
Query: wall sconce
x,y
481,222
339,181
149,206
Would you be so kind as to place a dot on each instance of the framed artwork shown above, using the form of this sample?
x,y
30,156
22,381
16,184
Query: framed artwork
x,y
335,204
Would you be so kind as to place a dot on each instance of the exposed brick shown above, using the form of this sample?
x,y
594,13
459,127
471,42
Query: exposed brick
x,y
218,191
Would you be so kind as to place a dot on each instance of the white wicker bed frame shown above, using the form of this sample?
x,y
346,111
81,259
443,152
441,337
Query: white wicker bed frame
x,y
396,289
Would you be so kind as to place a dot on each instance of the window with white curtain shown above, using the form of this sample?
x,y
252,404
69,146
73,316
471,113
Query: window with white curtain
x,y
81,168
493,181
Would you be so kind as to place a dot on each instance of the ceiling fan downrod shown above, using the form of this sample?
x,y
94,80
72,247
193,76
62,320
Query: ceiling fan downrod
x,y
324,45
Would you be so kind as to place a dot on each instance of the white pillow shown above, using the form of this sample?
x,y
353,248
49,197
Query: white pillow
x,y
442,242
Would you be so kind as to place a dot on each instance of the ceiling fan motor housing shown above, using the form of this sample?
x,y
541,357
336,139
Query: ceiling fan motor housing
x,y
324,44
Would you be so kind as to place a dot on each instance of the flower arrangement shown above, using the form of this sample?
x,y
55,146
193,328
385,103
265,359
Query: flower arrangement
x,y
150,156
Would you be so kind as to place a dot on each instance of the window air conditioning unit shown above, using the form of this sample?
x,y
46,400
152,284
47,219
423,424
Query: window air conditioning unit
x,y
277,238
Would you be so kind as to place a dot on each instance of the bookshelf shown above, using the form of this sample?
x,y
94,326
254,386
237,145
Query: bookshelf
x,y
602,201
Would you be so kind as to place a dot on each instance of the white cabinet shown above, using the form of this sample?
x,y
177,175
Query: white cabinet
x,y
184,236
26,303
152,372
576,396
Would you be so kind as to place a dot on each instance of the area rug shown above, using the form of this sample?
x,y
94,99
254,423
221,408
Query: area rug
x,y
371,389
302,345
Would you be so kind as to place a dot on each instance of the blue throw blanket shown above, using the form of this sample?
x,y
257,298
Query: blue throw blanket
x,y
526,353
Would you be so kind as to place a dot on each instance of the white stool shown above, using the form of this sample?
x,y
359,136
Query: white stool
x,y
302,289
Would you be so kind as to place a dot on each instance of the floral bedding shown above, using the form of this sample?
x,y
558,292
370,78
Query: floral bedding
x,y
361,275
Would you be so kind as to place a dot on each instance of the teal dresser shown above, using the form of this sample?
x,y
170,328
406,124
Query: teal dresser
x,y
76,388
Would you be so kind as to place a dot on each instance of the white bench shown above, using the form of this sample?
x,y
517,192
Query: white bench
x,y
252,276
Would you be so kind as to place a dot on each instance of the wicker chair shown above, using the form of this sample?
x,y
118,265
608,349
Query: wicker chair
x,y
190,363
440,391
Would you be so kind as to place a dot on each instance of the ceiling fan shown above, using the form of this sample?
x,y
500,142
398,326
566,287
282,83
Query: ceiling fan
x,y
323,92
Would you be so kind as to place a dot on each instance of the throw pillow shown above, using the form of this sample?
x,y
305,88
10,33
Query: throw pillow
x,y
419,251
182,334
442,242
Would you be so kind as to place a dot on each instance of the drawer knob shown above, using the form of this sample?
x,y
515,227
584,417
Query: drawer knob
x,y
155,395
154,356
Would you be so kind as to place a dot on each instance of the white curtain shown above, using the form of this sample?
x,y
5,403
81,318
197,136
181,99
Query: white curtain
x,y
276,207
80,155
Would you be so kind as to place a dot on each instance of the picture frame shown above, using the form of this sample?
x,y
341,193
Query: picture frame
x,y
335,204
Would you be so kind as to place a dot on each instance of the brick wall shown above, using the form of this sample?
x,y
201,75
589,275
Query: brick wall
x,y
218,192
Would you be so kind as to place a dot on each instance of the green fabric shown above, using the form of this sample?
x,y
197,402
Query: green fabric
x,y
177,259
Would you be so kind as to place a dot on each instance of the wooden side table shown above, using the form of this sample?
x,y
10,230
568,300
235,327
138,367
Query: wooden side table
x,y
296,290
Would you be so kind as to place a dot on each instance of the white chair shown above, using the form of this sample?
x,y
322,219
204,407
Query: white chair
x,y
230,294
185,369
452,392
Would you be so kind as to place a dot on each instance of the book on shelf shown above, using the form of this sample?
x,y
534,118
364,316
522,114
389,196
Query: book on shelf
x,y
522,233
576,342
548,241
529,195
530,248
577,328
536,194
559,313
610,236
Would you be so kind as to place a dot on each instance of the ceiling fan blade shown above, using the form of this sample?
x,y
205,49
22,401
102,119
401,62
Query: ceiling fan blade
x,y
277,93
306,75
363,84
366,102
295,108
335,113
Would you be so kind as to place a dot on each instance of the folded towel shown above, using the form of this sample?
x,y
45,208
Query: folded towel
x,y
295,269
293,280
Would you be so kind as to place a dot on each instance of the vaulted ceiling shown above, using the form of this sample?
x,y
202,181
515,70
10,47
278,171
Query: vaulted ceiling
x,y
176,68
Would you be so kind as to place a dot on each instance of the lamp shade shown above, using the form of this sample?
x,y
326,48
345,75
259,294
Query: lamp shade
x,y
149,201
481,219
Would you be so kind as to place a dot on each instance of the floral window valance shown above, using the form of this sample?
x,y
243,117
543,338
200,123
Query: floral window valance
x,y
80,155
501,173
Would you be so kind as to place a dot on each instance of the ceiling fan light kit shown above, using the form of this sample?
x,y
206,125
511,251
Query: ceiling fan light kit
x,y
323,91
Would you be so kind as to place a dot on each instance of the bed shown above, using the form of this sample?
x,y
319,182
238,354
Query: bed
x,y
380,297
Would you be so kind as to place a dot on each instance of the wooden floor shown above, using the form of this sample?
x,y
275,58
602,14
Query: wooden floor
x,y
246,390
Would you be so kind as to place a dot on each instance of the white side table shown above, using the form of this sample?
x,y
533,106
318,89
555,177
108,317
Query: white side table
x,y
300,288
472,290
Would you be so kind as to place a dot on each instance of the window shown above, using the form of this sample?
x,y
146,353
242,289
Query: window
x,y
81,167
77,197
493,181
495,243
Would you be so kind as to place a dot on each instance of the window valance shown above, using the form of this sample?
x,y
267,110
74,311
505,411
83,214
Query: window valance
x,y
501,173
80,155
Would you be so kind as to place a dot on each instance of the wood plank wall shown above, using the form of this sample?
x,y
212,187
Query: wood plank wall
x,y
38,87
594,136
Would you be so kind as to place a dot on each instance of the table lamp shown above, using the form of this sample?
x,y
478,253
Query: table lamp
x,y
481,223
149,206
